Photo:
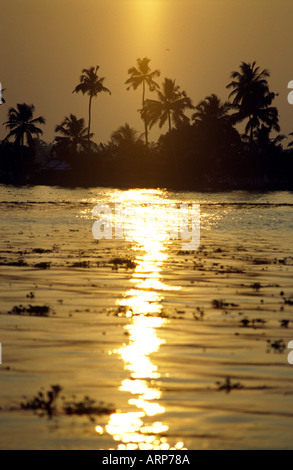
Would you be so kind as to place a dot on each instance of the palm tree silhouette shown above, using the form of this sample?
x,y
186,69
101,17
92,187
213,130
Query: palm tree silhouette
x,y
252,98
265,142
290,144
125,136
142,75
22,124
211,110
213,126
2,100
91,84
74,134
170,106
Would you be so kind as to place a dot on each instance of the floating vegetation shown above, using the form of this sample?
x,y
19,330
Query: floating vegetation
x,y
277,346
123,262
284,323
43,265
256,286
127,312
45,404
180,312
41,250
261,261
227,385
245,322
231,270
87,406
124,311
288,261
80,264
220,304
19,262
31,295
200,314
30,310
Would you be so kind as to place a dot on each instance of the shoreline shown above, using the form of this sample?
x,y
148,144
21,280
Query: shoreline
x,y
209,188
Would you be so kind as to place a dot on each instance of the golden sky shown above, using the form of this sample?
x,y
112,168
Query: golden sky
x,y
46,43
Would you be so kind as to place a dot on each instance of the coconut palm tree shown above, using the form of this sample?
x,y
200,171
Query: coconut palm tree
x,y
211,110
212,119
125,136
128,145
214,130
169,107
264,141
252,98
142,75
91,84
22,124
74,134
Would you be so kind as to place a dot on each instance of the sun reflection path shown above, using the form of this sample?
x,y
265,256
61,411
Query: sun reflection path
x,y
141,429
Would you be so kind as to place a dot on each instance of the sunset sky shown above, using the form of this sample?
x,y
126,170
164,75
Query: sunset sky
x,y
45,44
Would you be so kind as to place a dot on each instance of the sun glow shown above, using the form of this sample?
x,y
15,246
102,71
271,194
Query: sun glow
x,y
148,22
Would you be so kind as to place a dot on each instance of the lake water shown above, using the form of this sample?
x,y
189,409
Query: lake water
x,y
187,342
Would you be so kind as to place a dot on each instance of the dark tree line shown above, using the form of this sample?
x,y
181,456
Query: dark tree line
x,y
202,150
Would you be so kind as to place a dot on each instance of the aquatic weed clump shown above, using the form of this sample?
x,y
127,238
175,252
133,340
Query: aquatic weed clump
x,y
221,304
123,262
43,265
45,403
227,385
87,406
30,310
278,346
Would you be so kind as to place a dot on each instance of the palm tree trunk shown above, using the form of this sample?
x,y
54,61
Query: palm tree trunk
x,y
145,117
89,125
21,151
251,132
173,147
169,121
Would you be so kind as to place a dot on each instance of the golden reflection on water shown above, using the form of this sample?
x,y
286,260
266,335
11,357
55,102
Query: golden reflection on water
x,y
144,427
